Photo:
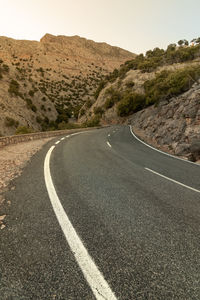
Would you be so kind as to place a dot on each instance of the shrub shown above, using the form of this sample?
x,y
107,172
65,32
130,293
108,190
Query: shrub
x,y
14,88
130,103
63,126
38,120
43,107
98,111
23,130
31,93
115,96
88,103
109,103
82,112
95,121
99,89
5,68
10,122
168,84
130,84
30,105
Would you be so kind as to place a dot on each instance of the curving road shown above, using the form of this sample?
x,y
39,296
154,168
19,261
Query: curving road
x,y
99,215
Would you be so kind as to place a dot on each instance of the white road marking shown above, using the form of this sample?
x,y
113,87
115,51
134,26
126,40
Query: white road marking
x,y
62,138
57,142
186,186
109,134
95,279
109,144
67,136
173,156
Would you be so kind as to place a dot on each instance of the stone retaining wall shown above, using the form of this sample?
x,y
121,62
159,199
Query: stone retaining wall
x,y
14,139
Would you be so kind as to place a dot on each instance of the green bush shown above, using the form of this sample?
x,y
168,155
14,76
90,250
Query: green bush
x,y
14,88
130,84
31,93
93,122
63,126
99,89
168,84
88,103
82,112
130,103
98,111
109,103
30,105
23,130
114,97
10,122
5,68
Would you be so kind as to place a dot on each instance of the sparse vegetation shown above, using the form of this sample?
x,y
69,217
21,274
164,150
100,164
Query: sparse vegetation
x,y
24,130
130,103
93,122
10,122
168,84
14,88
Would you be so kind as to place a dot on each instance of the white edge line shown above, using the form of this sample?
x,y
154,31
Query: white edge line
x,y
109,144
57,142
195,190
173,156
95,279
62,138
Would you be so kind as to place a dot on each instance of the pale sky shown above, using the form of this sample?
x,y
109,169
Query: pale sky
x,y
135,25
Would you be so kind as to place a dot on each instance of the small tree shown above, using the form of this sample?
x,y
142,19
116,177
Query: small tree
x,y
180,42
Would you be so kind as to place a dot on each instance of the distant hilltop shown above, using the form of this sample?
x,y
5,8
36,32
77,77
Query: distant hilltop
x,y
44,83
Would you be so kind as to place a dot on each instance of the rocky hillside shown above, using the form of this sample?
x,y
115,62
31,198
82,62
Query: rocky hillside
x,y
43,84
174,126
158,94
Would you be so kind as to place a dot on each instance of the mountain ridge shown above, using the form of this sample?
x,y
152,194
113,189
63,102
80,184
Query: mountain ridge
x,y
48,81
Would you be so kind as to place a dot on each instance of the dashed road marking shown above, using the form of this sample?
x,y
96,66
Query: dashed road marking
x,y
109,144
184,185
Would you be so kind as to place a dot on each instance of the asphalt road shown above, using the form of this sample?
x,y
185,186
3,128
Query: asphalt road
x,y
140,229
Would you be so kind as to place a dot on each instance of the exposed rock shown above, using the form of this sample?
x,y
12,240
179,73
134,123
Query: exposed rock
x,y
195,150
174,126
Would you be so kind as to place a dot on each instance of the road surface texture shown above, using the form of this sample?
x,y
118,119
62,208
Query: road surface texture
x,y
102,216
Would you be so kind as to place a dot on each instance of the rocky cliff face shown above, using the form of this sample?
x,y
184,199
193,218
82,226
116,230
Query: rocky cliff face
x,y
40,80
174,126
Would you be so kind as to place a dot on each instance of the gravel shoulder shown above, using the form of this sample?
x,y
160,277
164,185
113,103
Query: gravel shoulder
x,y
13,159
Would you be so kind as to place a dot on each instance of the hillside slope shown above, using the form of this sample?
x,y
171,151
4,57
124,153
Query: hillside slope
x,y
47,81
161,101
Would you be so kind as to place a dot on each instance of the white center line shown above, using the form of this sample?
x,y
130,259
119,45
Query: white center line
x,y
109,144
57,142
109,134
95,279
186,186
62,138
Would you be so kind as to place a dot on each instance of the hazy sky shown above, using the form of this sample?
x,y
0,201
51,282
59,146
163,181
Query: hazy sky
x,y
135,25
